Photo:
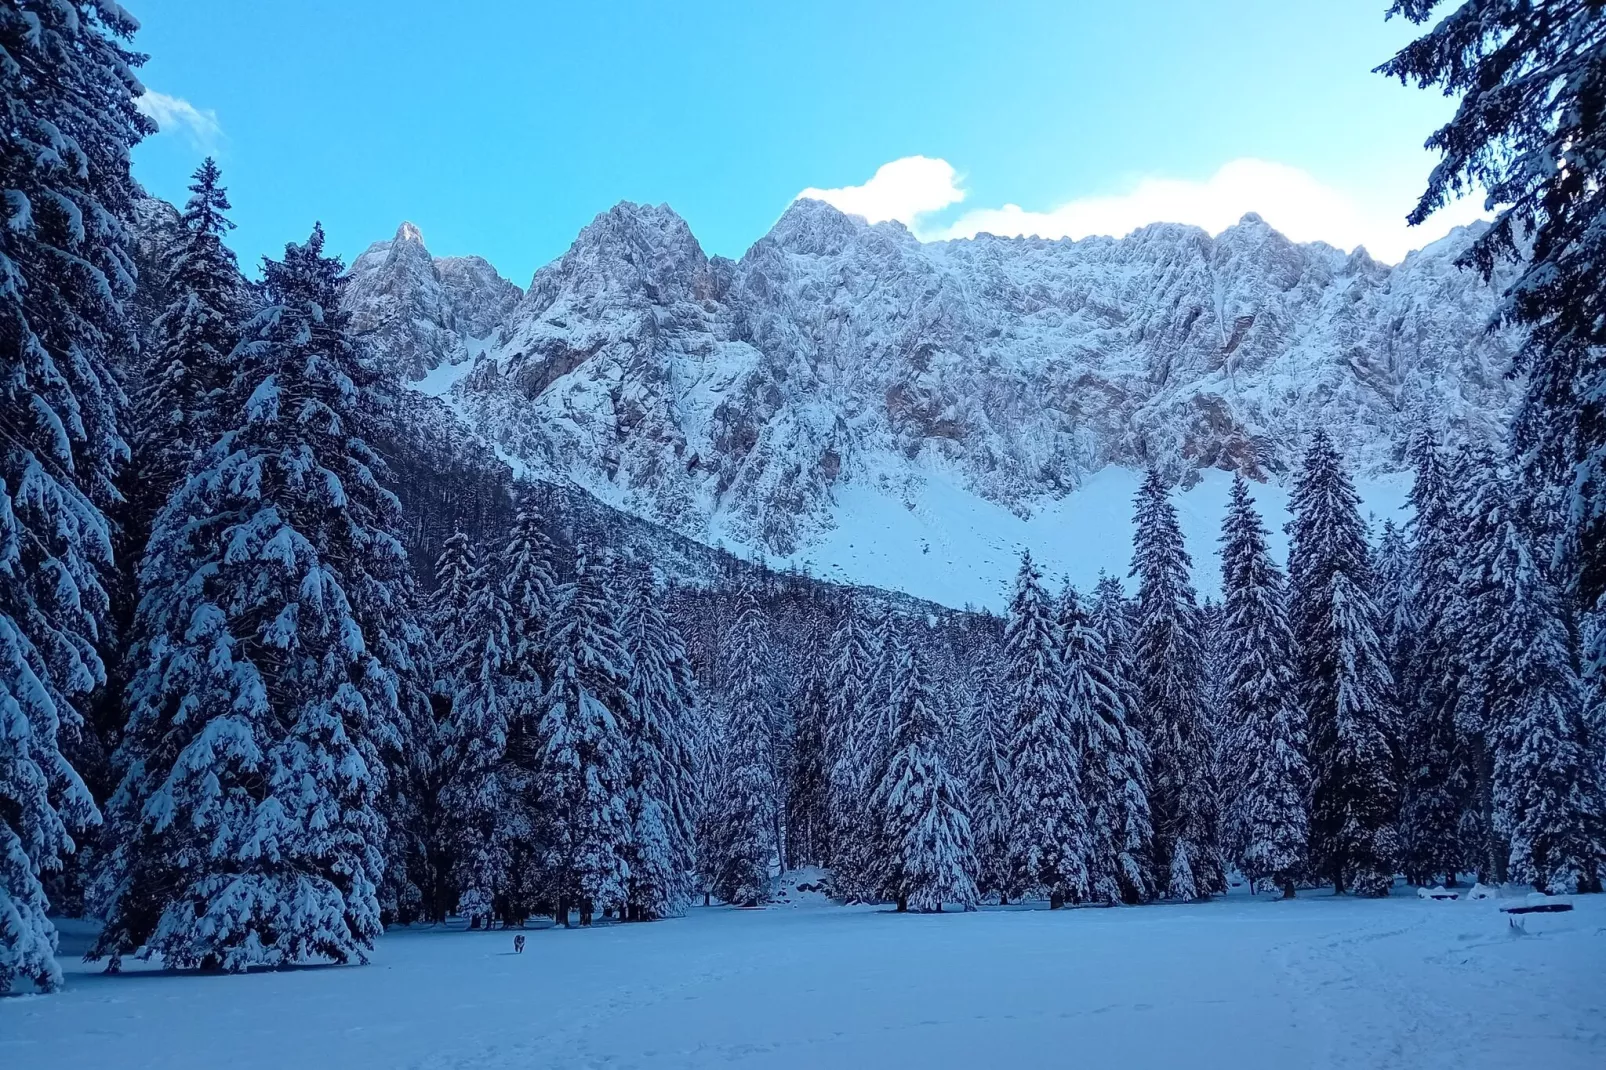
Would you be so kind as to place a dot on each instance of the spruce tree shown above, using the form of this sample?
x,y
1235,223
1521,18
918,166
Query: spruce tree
x,y
1474,615
1426,656
1048,857
531,589
846,688
1344,685
191,339
663,756
1111,618
247,826
1545,792
988,781
585,757
745,839
926,831
1168,662
809,800
1270,820
66,338
481,793
1529,130
1093,718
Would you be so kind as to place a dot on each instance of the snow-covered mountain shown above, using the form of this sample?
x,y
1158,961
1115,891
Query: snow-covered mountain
x,y
421,312
910,413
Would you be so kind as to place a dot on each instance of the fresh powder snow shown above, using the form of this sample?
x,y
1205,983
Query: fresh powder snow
x,y
1312,982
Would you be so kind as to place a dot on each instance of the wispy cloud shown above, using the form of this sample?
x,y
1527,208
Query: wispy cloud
x,y
1290,199
175,114
911,190
903,190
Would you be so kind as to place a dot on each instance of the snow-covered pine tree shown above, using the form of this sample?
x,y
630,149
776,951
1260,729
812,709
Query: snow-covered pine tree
x,y
1168,663
663,756
1134,823
247,827
929,859
1473,617
584,749
1544,792
1343,680
189,348
455,569
988,780
1270,821
1528,79
431,766
1426,656
482,801
809,799
531,588
1048,856
1093,715
744,845
68,88
847,678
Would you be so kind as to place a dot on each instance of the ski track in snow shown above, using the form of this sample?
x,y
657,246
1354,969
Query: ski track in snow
x,y
1318,983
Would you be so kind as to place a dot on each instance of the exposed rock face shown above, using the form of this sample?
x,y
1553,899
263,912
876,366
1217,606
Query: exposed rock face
x,y
420,312
727,399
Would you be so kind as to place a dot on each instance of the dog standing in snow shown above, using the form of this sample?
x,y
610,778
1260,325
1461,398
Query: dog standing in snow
x,y
518,944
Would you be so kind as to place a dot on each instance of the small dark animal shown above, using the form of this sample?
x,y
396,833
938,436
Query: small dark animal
x,y
518,944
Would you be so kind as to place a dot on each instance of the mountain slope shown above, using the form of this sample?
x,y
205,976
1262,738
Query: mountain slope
x,y
844,392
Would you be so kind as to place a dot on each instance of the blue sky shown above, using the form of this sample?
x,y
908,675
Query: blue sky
x,y
502,127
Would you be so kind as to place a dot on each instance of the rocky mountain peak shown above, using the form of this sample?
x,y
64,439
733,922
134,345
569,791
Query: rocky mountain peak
x,y
418,312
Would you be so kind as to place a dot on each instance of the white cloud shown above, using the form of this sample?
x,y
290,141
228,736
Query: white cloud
x,y
1291,200
176,113
901,190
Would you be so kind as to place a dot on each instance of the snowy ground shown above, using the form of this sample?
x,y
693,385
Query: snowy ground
x,y
1319,982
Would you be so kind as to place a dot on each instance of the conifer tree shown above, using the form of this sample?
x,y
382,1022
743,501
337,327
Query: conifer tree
x,y
481,793
1271,820
1343,680
1110,619
1048,813
926,831
248,826
191,341
454,577
846,687
584,748
988,781
745,838
1168,663
1529,129
1545,794
663,756
1426,657
809,801
1093,717
68,88
1474,614
531,587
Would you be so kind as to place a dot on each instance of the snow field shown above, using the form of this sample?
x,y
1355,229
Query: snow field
x,y
949,546
1314,983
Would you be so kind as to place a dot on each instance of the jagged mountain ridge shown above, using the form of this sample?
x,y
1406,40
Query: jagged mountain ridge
x,y
735,401
419,311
